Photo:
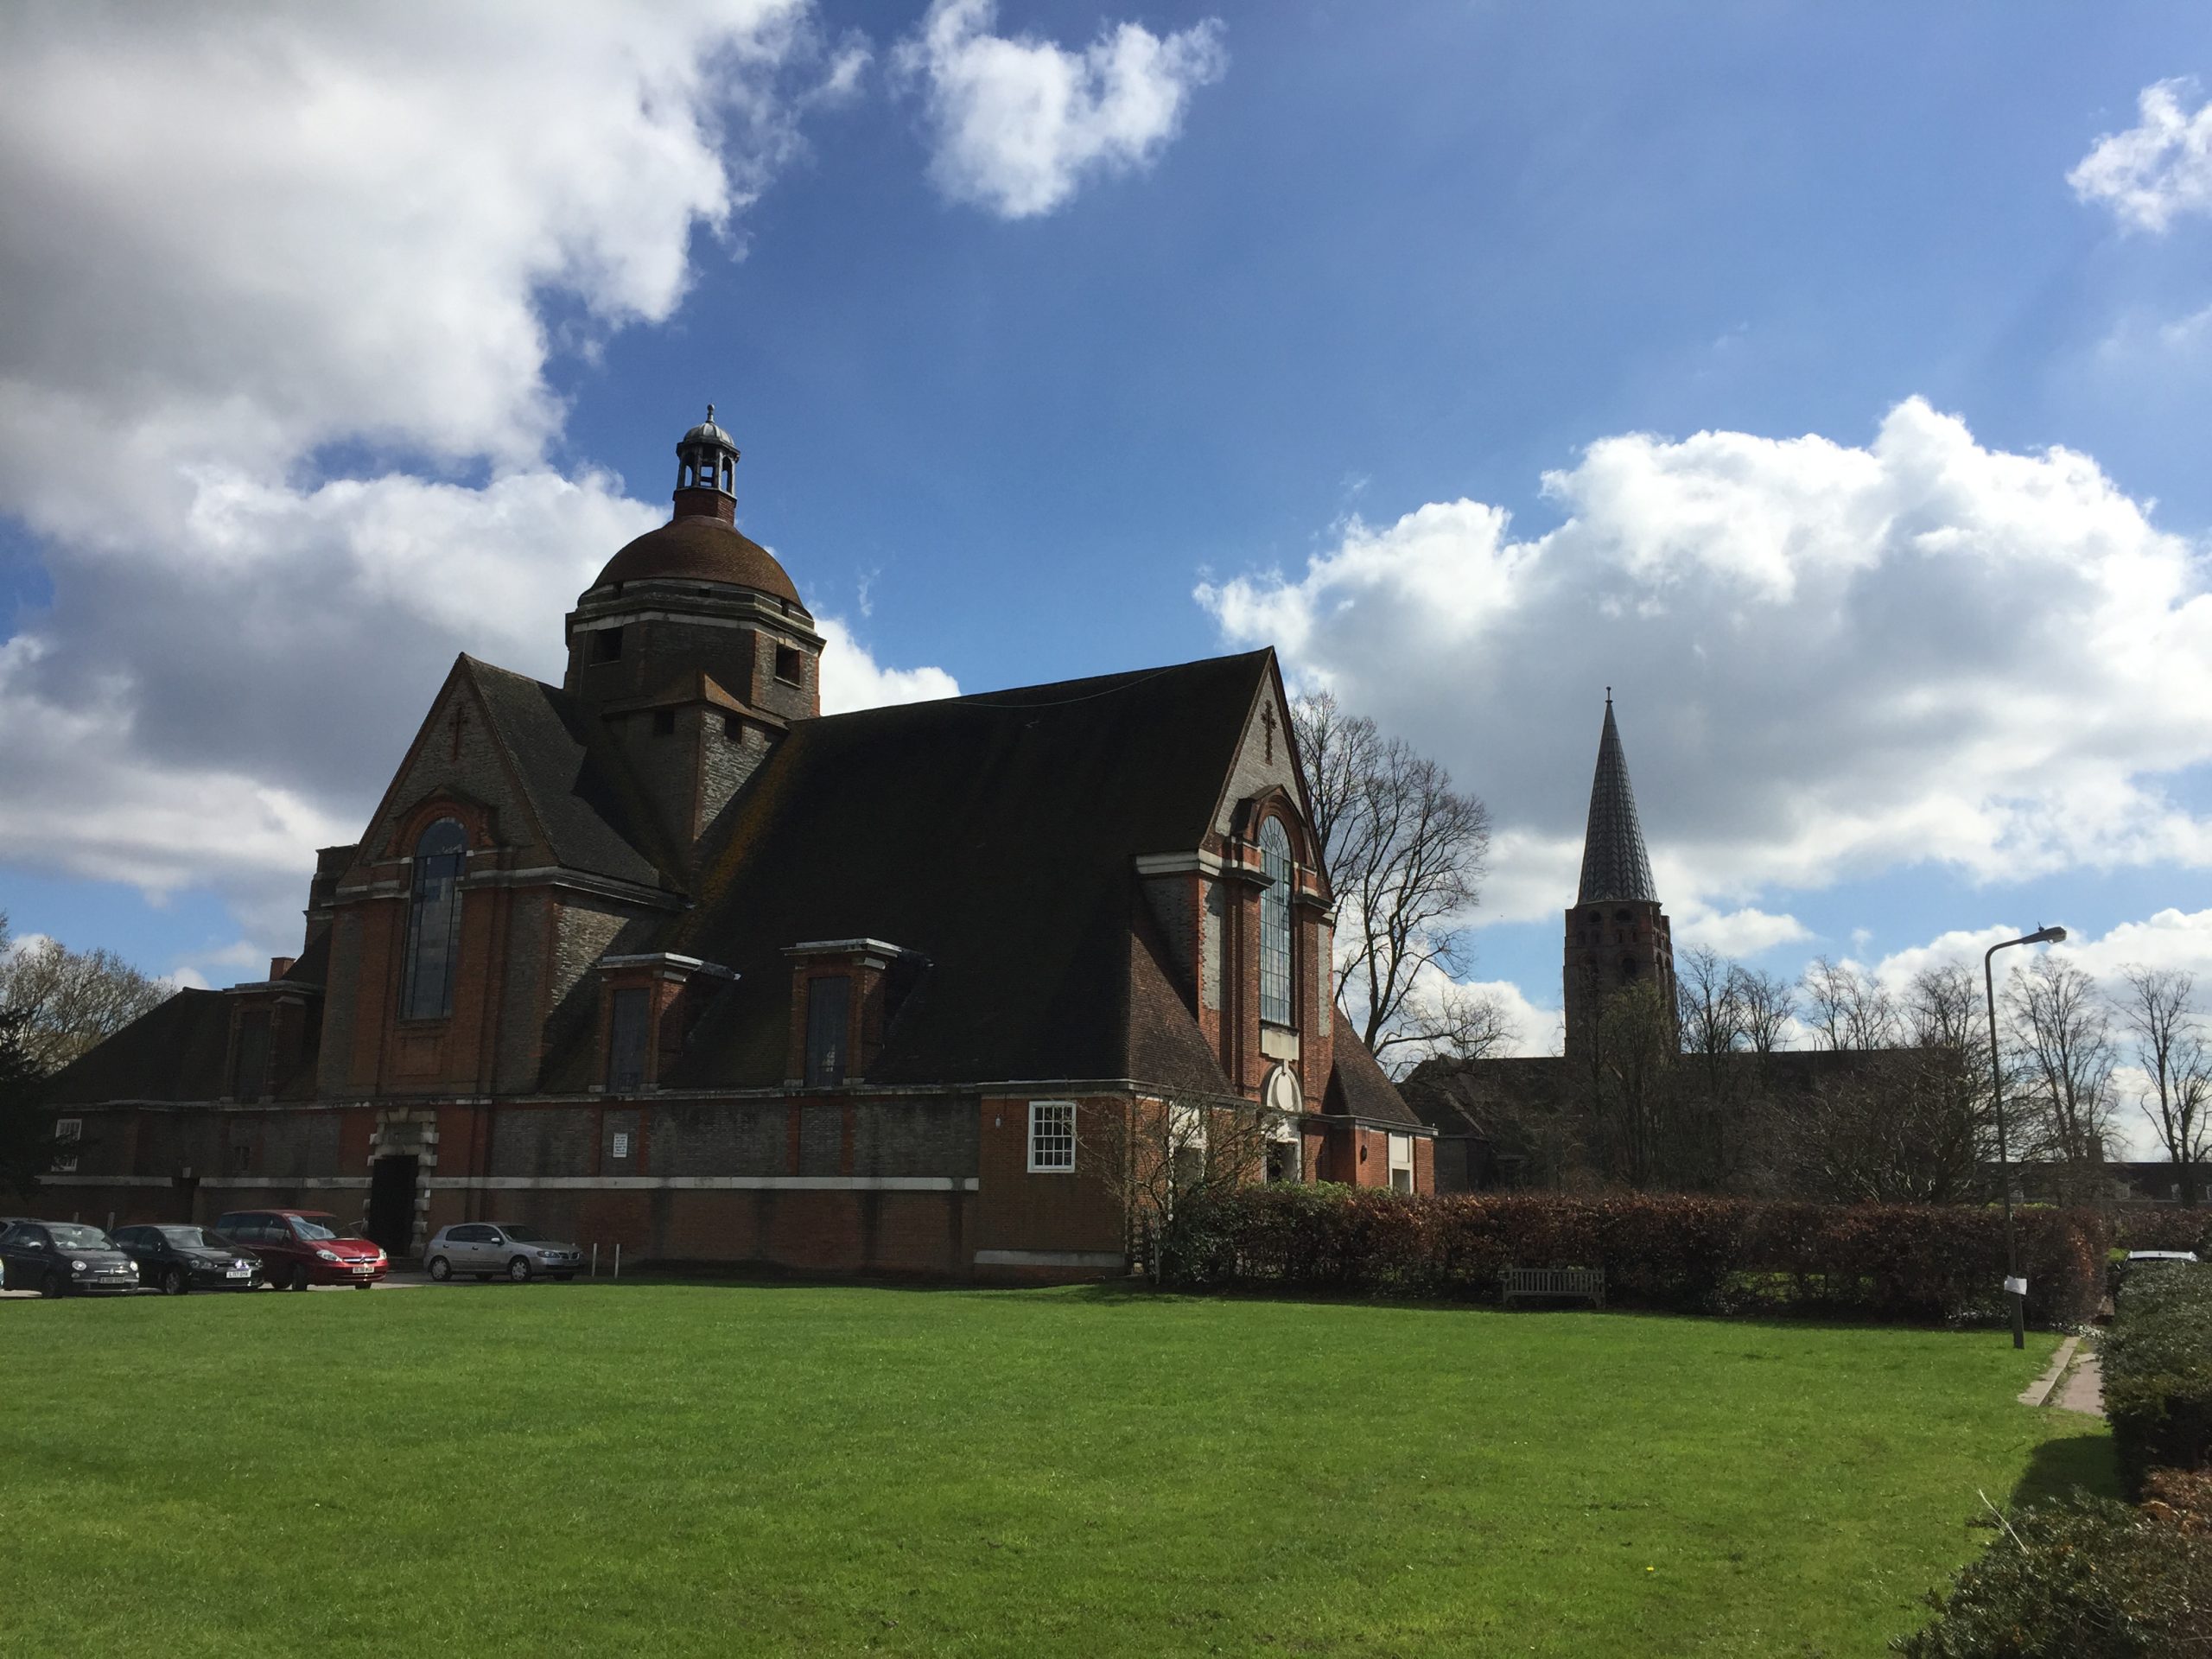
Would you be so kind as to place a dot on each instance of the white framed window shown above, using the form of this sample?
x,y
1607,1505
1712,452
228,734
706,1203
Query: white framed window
x,y
1051,1137
68,1131
1401,1162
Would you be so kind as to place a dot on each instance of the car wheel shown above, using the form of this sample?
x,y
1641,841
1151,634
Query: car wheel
x,y
53,1285
441,1269
176,1281
519,1270
299,1277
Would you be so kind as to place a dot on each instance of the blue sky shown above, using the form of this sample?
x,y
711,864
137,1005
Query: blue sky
x,y
1374,263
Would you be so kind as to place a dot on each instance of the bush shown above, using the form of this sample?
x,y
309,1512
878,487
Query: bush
x,y
1672,1251
2157,1372
2179,1498
2163,1227
2078,1579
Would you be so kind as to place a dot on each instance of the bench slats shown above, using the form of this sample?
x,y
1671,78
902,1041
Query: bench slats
x,y
1552,1282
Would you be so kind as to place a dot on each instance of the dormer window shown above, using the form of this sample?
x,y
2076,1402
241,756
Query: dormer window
x,y
434,922
626,1038
829,1004
1275,923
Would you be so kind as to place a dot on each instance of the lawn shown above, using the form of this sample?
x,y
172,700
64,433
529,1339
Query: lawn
x,y
678,1469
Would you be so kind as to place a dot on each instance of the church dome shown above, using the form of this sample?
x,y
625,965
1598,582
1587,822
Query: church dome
x,y
708,432
699,548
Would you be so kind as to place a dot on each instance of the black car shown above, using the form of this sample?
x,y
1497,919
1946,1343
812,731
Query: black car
x,y
65,1258
178,1257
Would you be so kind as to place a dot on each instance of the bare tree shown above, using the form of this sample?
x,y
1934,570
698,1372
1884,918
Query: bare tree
x,y
1847,1007
2062,1035
1632,1090
70,1000
1159,1160
1766,1005
1405,855
2170,1047
1709,990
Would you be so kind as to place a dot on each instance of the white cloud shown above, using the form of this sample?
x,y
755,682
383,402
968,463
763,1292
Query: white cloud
x,y
851,678
1020,123
2158,169
1737,933
233,242
1830,660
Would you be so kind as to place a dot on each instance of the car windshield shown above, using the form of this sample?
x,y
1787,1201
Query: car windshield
x,y
524,1236
314,1229
70,1236
194,1238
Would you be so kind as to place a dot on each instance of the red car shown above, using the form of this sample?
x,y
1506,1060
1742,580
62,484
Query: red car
x,y
299,1248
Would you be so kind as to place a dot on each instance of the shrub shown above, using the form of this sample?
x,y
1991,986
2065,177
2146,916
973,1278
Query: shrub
x,y
2157,1372
2179,1498
2163,1227
1674,1251
2078,1579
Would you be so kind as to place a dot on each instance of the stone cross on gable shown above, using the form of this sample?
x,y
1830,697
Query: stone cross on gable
x,y
460,724
1267,724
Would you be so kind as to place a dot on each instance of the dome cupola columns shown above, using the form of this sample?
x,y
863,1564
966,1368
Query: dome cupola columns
x,y
706,473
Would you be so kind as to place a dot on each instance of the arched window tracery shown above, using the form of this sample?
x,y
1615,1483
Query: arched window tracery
x,y
434,921
1275,923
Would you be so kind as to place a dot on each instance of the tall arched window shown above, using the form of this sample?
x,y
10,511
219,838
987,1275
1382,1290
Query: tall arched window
x,y
1275,923
434,923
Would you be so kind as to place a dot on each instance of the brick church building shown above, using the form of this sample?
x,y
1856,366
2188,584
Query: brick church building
x,y
664,956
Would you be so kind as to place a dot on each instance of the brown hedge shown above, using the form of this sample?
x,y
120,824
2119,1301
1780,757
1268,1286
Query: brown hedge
x,y
1897,1262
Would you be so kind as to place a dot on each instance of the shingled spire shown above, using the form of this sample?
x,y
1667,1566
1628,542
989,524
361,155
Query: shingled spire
x,y
1614,863
1617,935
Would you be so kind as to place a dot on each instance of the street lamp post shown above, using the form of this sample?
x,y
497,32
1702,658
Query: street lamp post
x,y
2014,1286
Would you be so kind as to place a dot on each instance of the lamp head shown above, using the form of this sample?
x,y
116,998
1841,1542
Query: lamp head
x,y
2048,935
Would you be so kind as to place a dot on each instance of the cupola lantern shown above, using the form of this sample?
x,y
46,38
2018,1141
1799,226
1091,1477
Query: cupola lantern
x,y
706,473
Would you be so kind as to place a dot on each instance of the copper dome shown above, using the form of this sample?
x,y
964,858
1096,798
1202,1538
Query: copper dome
x,y
699,548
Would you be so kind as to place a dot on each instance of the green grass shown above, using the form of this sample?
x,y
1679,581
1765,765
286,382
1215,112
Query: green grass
x,y
678,1469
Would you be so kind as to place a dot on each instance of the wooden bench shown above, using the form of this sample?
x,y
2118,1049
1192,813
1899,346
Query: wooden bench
x,y
1552,1282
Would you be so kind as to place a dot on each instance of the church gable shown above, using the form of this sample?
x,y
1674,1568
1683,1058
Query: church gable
x,y
1266,758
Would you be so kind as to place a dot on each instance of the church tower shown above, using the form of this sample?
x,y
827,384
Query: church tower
x,y
692,648
1616,934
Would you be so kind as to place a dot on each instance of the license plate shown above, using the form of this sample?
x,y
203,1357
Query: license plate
x,y
365,1267
238,1272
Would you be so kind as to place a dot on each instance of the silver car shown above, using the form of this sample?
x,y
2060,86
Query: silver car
x,y
489,1248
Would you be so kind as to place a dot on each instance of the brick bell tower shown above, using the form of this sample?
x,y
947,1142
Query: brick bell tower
x,y
692,648
1616,934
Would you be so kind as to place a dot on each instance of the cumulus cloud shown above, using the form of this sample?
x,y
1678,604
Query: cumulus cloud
x,y
1737,933
2158,169
1019,124
239,244
1830,660
851,678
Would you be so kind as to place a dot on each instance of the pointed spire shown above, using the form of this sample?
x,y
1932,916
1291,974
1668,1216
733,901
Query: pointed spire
x,y
1614,863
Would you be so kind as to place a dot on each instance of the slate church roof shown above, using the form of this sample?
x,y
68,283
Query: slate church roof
x,y
994,836
1614,863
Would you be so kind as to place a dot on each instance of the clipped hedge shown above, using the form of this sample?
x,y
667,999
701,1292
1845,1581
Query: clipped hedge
x,y
2157,1372
2162,1227
1915,1262
2078,1579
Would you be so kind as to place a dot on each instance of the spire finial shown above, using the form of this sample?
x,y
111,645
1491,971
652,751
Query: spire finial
x,y
1609,689
710,421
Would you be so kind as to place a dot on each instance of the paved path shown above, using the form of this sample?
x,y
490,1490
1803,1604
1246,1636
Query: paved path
x,y
2084,1390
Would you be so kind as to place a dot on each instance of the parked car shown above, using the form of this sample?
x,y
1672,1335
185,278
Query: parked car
x,y
179,1257
65,1258
486,1247
299,1248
